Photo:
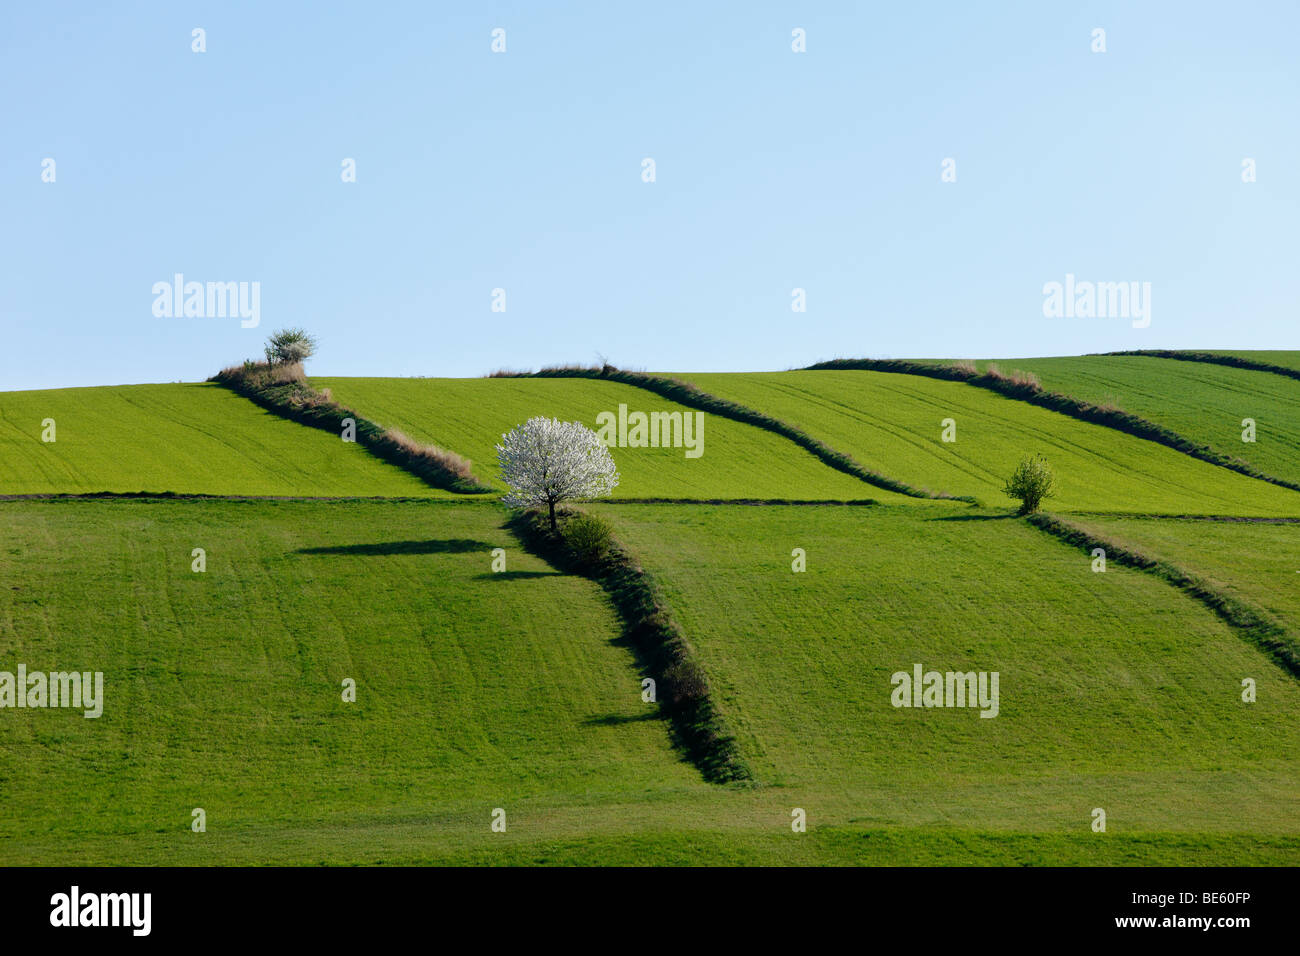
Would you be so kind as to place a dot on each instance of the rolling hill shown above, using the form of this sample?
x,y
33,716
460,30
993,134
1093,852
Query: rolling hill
x,y
223,689
520,690
1117,691
1255,561
470,415
1286,359
893,422
182,438
1203,402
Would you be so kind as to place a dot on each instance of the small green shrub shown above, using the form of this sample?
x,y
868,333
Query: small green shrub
x,y
588,537
1030,483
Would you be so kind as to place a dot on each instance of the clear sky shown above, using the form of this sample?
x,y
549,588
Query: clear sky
x,y
522,170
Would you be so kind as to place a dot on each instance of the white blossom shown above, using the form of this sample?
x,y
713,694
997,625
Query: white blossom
x,y
546,461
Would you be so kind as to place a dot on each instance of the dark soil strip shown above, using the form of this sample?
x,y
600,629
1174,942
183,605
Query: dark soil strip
x,y
1214,358
1026,389
1256,627
662,651
684,393
297,401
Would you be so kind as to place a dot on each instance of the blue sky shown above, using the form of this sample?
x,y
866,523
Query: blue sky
x,y
522,170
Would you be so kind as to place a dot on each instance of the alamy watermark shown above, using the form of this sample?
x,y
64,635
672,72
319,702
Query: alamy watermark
x,y
922,688
654,430
75,908
208,300
1101,300
79,690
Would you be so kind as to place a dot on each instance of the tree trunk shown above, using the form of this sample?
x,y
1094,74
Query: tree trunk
x,y
552,504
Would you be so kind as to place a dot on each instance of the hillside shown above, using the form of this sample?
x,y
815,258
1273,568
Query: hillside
x,y
1115,690
1286,359
893,422
1203,402
223,689
1254,561
182,438
470,415
522,690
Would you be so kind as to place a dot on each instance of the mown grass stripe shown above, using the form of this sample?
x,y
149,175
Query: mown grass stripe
x,y
1251,623
294,399
691,396
1026,389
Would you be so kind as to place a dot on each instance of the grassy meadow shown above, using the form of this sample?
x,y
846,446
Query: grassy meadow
x,y
479,688
1199,400
470,415
182,438
1256,561
1286,359
224,688
1116,690
893,422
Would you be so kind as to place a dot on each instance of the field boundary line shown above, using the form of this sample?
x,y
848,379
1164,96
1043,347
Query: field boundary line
x,y
1253,624
415,499
1210,358
698,728
797,502
292,398
685,393
681,687
1024,387
204,496
1226,519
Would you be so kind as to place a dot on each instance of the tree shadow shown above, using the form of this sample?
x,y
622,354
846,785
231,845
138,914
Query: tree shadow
x,y
447,546
1002,517
513,575
616,720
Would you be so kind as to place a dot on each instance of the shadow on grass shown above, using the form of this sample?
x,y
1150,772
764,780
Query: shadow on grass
x,y
1001,517
448,546
695,727
517,575
616,720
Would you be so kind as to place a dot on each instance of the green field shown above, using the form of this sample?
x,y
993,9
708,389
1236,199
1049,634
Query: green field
x,y
183,438
1117,691
223,689
1257,562
470,415
478,691
519,690
1285,359
892,422
1200,401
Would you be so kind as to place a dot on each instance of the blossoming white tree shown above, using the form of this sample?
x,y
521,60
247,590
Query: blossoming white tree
x,y
546,461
